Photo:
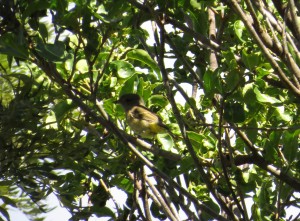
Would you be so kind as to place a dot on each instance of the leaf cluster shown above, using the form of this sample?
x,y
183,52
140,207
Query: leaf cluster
x,y
223,75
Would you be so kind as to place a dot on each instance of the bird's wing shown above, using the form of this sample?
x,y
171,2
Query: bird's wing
x,y
142,113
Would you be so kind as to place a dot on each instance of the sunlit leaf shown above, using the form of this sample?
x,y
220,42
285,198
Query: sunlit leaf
x,y
82,66
282,115
166,141
144,57
123,69
195,4
264,98
239,29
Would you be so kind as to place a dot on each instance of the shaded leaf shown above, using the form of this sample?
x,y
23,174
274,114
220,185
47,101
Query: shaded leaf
x,y
128,86
62,108
102,211
10,45
8,201
234,112
251,60
158,100
35,6
291,145
52,52
212,83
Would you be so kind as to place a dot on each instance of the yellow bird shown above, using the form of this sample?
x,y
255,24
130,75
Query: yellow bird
x,y
140,119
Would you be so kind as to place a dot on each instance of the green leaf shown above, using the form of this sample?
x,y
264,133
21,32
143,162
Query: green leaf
x,y
102,211
144,57
200,23
234,112
52,52
252,134
24,78
239,28
186,164
290,145
196,137
4,61
82,66
229,57
43,31
34,6
158,100
8,201
12,46
195,4
251,60
62,108
264,98
271,145
128,86
108,105
123,69
232,80
282,115
200,142
212,83
123,183
166,141
263,70
212,205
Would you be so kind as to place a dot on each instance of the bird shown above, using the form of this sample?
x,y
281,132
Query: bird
x,y
140,119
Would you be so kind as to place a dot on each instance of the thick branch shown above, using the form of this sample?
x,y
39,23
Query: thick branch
x,y
295,18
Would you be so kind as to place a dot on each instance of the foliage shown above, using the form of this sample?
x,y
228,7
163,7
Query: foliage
x,y
63,64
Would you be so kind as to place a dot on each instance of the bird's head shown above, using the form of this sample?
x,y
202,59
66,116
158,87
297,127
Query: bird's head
x,y
129,100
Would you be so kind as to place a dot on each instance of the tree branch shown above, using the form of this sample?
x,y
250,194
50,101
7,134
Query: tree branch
x,y
264,49
160,22
260,161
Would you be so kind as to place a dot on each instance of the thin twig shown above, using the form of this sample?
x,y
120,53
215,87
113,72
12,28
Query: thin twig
x,y
145,195
161,200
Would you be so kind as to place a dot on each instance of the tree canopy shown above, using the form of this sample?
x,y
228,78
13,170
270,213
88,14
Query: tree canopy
x,y
224,75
